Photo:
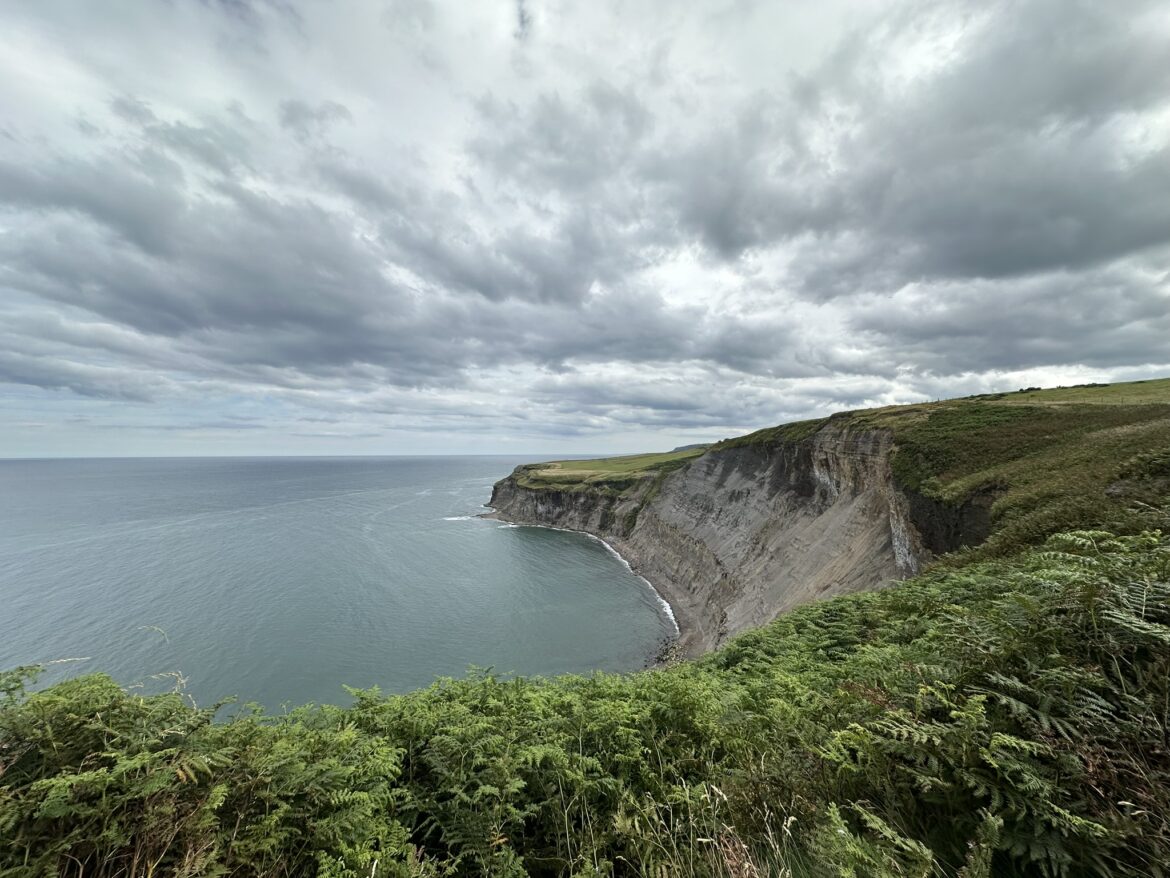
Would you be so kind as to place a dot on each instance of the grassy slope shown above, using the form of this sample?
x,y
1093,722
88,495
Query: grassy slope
x,y
1052,459
604,473
994,717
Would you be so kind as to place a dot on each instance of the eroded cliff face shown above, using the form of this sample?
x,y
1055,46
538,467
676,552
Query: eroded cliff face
x,y
742,534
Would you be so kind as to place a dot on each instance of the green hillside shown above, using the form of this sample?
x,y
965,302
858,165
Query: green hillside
x,y
603,473
1007,713
1046,460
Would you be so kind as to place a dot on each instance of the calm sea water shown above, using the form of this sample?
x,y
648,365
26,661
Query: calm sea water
x,y
278,580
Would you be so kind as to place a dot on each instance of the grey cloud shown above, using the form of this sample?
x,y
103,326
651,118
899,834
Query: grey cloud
x,y
189,426
428,234
644,234
307,121
218,146
365,188
1009,160
132,201
1050,61
1103,318
84,379
417,14
523,20
186,262
699,399
254,14
750,183
571,145
132,109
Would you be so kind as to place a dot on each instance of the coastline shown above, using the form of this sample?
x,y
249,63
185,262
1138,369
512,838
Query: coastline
x,y
670,651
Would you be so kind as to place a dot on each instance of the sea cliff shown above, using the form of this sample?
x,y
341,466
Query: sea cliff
x,y
741,533
734,534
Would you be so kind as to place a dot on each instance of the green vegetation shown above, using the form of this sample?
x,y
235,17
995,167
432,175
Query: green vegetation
x,y
612,474
1008,718
632,476
996,716
1050,460
1129,393
793,432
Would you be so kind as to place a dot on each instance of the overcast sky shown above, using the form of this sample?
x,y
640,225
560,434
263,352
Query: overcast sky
x,y
410,226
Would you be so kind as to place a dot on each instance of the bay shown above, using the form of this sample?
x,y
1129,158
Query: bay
x,y
278,580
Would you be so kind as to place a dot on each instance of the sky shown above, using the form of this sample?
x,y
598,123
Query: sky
x,y
540,226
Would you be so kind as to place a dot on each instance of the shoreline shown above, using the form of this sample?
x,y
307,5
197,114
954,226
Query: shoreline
x,y
669,651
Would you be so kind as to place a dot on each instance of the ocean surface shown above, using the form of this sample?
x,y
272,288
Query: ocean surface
x,y
278,580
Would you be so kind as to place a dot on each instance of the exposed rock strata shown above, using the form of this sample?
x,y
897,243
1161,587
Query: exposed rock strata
x,y
742,534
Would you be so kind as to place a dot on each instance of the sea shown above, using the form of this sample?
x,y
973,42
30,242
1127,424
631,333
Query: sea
x,y
281,581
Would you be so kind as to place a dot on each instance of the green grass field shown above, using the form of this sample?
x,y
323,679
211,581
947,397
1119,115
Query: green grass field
x,y
1130,393
615,473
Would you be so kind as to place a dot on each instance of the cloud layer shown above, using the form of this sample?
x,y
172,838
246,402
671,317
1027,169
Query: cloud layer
x,y
267,226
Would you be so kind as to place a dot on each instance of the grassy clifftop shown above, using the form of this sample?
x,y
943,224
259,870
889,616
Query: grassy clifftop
x,y
1098,398
604,473
949,446
1048,460
1039,460
1045,460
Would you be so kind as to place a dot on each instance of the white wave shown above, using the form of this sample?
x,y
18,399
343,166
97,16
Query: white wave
x,y
460,517
663,603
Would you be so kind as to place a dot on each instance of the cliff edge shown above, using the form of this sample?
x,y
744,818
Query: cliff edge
x,y
737,533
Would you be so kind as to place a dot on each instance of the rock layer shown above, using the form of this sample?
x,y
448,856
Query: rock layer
x,y
742,534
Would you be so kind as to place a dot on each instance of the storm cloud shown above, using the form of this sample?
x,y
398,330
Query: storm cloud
x,y
411,226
